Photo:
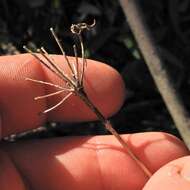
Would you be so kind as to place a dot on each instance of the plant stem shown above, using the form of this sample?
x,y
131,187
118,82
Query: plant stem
x,y
157,68
84,97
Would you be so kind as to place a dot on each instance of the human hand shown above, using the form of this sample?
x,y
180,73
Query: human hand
x,y
77,162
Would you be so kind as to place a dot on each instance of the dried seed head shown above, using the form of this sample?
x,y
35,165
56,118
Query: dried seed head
x,y
73,82
78,28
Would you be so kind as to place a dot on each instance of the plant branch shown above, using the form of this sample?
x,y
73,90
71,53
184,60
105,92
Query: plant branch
x,y
157,68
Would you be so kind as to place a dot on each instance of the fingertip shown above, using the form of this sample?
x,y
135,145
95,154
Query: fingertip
x,y
156,149
104,87
174,175
19,111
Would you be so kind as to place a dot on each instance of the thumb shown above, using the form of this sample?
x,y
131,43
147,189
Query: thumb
x,y
173,176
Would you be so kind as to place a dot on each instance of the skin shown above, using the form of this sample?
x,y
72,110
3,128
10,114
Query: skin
x,y
97,162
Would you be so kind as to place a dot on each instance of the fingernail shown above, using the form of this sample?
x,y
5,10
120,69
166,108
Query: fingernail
x,y
185,172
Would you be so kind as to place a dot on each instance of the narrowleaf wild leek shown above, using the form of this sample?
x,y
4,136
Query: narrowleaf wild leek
x,y
74,82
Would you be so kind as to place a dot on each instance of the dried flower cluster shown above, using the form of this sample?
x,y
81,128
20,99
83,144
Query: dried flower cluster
x,y
74,82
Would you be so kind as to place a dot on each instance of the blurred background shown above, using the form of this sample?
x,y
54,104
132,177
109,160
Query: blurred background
x,y
28,22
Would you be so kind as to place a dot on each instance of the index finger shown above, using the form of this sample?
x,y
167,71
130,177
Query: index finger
x,y
19,111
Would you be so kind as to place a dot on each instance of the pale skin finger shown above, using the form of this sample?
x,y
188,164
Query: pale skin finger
x,y
9,175
92,162
19,111
173,176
